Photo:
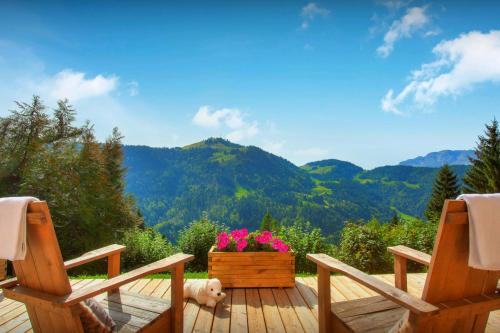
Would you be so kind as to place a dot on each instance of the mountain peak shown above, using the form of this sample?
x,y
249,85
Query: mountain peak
x,y
439,158
217,143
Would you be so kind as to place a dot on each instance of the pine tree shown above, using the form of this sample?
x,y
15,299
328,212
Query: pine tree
x,y
445,187
484,174
267,220
269,223
394,219
81,179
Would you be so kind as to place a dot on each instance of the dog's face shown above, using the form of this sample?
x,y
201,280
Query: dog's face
x,y
214,288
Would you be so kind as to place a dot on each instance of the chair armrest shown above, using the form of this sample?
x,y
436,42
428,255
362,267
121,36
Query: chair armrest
x,y
414,304
116,282
8,283
94,255
107,251
409,253
31,296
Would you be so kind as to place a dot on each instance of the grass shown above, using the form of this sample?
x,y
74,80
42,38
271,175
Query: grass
x,y
404,216
222,157
363,181
187,275
321,170
241,192
321,190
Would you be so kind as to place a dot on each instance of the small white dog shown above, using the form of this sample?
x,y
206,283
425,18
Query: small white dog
x,y
205,292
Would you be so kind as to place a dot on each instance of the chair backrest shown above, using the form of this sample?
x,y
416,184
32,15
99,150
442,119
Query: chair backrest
x,y
449,277
3,269
43,270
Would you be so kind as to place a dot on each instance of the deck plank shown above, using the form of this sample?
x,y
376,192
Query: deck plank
x,y
204,320
273,310
256,323
271,313
288,315
222,317
239,321
309,323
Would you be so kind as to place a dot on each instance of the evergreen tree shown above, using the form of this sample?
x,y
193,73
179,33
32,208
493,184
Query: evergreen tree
x,y
484,174
394,219
266,222
445,187
81,179
269,223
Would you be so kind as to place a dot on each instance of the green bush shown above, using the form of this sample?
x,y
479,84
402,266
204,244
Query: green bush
x,y
197,239
144,247
363,246
304,239
416,234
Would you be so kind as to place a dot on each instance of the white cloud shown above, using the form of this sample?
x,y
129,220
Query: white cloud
x,y
231,118
310,12
415,19
393,5
133,88
245,132
75,86
98,98
461,63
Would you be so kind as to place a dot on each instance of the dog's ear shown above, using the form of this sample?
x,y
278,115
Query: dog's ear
x,y
205,286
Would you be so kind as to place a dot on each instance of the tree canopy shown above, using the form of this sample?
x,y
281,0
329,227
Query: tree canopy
x,y
49,157
445,187
484,174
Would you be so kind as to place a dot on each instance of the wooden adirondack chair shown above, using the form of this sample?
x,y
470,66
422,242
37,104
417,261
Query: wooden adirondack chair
x,y
3,269
43,285
456,297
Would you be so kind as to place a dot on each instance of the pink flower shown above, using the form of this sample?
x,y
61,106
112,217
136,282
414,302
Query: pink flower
x,y
264,237
279,245
241,245
222,240
238,234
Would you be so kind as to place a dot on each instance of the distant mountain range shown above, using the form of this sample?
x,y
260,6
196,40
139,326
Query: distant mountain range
x,y
440,158
237,185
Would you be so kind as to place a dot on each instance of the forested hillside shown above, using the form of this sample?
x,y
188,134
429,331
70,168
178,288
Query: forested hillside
x,y
236,185
439,158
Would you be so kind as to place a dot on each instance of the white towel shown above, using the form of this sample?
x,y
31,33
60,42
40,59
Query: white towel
x,y
484,230
13,227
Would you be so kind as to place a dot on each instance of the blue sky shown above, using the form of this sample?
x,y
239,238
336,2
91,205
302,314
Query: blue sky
x,y
371,82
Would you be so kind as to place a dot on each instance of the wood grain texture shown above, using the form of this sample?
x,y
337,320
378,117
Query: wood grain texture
x,y
252,269
455,297
279,312
53,305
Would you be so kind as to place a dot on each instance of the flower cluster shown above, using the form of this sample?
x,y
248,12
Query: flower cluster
x,y
241,240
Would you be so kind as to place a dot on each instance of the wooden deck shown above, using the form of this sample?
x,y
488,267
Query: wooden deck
x,y
244,310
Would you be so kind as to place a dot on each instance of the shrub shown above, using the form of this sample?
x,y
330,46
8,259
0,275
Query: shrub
x,y
415,233
144,247
197,239
363,246
304,239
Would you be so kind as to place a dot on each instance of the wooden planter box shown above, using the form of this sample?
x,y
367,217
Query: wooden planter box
x,y
252,269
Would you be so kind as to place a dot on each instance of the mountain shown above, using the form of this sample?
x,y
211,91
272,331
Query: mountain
x,y
440,158
236,185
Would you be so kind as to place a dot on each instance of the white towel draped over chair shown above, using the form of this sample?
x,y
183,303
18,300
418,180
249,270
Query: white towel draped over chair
x,y
13,227
484,230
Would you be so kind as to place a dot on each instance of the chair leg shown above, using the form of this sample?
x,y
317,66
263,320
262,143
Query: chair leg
x,y
324,301
177,299
400,281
